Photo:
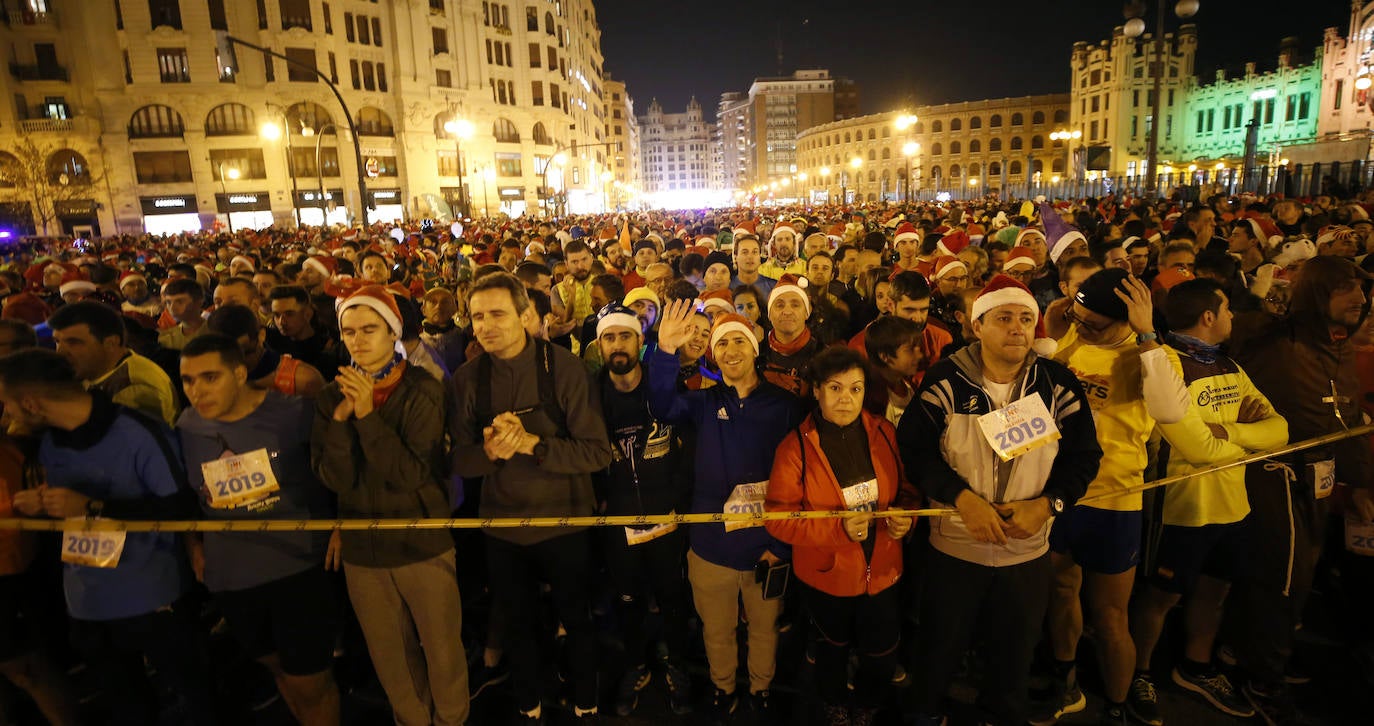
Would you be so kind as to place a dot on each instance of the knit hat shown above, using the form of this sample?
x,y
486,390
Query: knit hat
x,y
1098,293
642,293
379,300
717,299
616,315
790,284
645,244
948,265
1058,233
906,231
953,242
323,264
1003,290
130,276
733,323
719,258
1007,235
1017,257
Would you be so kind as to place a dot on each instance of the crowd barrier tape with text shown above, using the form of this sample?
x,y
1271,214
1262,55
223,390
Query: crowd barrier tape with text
x,y
307,525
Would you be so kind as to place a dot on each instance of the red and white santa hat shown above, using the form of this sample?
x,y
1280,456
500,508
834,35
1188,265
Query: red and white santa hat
x,y
782,227
953,243
245,260
379,300
1018,257
82,286
1006,290
948,265
323,264
1027,232
130,276
790,284
717,301
906,231
733,323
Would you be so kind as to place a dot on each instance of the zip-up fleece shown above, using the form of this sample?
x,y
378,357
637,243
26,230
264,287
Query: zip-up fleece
x,y
945,452
823,556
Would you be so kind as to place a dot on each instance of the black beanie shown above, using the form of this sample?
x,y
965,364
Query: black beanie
x,y
1098,294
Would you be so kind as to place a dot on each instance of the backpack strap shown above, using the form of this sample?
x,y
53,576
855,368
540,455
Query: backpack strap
x,y
485,414
548,398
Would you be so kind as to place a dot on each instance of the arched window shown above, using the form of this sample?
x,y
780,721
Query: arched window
x,y
995,121
1016,143
871,135
1014,167
872,175
955,147
937,126
1037,142
306,115
975,123
953,171
1057,166
373,121
1038,118
1016,119
994,144
68,167
920,127
9,169
847,139
994,168
548,23
975,146
1061,116
1037,166
230,119
872,155
974,169
887,133
541,135
936,149
936,172
505,131
887,153
151,122
955,124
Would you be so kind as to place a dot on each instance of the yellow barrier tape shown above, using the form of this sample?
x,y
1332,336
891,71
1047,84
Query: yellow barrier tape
x,y
310,525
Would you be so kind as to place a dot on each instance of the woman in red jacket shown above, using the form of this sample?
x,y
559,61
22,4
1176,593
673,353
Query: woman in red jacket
x,y
842,457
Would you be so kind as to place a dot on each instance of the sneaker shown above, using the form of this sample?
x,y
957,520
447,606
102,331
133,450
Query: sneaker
x,y
679,689
1292,674
534,717
1066,698
723,706
586,715
900,678
627,693
1216,689
1113,715
1142,702
1274,706
482,676
764,706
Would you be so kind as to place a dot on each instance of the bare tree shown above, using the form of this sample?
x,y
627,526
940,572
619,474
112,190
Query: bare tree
x,y
37,179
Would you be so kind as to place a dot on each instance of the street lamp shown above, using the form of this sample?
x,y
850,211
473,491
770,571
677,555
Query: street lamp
x,y
909,150
1071,167
825,180
559,158
1134,28
854,164
606,177
270,131
460,129
234,174
488,175
319,165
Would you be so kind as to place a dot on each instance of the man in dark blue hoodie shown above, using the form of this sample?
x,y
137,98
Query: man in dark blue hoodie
x,y
739,425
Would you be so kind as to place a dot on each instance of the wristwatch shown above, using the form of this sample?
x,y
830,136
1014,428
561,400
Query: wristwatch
x,y
1056,505
1144,338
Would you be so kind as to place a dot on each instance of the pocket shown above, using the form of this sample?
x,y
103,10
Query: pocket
x,y
825,563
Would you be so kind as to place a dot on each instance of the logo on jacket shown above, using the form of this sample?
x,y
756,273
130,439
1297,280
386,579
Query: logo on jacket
x,y
722,414
971,404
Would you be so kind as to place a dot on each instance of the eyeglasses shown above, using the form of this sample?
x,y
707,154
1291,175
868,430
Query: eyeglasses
x,y
1072,317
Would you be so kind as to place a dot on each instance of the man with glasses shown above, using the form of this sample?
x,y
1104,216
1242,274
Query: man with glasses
x,y
1020,265
1113,349
1056,313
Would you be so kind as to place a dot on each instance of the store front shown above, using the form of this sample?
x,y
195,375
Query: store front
x,y
245,210
308,203
170,214
78,217
512,200
388,206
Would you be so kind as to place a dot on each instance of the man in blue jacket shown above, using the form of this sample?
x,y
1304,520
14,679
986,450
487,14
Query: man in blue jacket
x,y
739,425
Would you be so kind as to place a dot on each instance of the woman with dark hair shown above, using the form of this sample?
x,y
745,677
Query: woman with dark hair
x,y
844,458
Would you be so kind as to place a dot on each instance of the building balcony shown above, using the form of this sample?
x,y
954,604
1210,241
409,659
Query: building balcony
x,y
45,125
35,72
24,17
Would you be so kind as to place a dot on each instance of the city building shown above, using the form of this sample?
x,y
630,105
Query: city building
x,y
1345,115
730,169
622,129
458,107
959,148
676,152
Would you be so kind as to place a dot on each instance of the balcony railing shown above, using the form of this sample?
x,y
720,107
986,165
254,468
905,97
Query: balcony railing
x,y
24,17
40,125
23,72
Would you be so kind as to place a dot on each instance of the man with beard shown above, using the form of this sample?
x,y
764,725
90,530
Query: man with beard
x,y
911,300
91,336
784,360
784,260
646,477
137,297
748,258
315,272
572,298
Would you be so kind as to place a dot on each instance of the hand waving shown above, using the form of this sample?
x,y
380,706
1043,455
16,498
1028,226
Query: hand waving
x,y
674,327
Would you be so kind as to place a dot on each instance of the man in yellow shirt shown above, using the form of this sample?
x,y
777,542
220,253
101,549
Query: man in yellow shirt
x,y
1205,518
1114,351
91,336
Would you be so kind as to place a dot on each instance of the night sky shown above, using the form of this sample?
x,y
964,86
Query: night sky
x,y
913,51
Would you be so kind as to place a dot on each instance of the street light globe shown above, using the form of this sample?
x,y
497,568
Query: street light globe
x,y
560,158
1192,167
1077,134
1222,165
1054,179
462,128
910,148
1134,28
784,182
974,182
825,171
307,131
856,162
270,131
607,176
232,173
1363,82
1186,8
801,176
1283,162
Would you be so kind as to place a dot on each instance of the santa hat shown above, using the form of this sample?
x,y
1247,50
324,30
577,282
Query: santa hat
x,y
616,315
379,300
1264,230
782,227
790,284
733,323
323,264
1007,290
825,241
953,243
835,232
535,247
906,231
1058,233
130,276
1126,243
1166,279
245,260
717,299
705,240
948,265
1019,256
1027,232
82,286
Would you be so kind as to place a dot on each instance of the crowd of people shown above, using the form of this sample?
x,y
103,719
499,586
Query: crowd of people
x,y
1028,365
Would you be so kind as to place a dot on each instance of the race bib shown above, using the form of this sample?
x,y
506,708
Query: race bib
x,y
861,497
1019,427
1359,537
90,548
1323,475
660,437
233,481
746,499
640,535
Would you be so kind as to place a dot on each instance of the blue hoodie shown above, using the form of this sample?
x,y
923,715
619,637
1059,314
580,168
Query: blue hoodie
x,y
736,439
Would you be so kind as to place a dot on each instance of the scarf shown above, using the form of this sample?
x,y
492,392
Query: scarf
x,y
789,348
439,328
385,381
1198,350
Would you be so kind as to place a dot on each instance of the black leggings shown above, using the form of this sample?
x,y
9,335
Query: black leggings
x,y
636,571
869,623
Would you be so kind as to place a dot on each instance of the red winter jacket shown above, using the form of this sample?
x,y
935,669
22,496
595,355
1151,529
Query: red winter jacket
x,y
823,556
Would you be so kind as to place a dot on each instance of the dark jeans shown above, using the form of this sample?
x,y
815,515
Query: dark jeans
x,y
654,567
870,624
516,572
114,651
1002,608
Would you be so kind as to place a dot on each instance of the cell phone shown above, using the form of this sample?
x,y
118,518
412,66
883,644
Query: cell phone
x,y
774,578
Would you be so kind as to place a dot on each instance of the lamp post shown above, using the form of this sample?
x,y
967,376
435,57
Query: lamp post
x,y
802,190
855,164
909,150
460,129
234,174
488,174
825,180
271,132
1071,170
904,123
606,177
319,168
1134,28
560,159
